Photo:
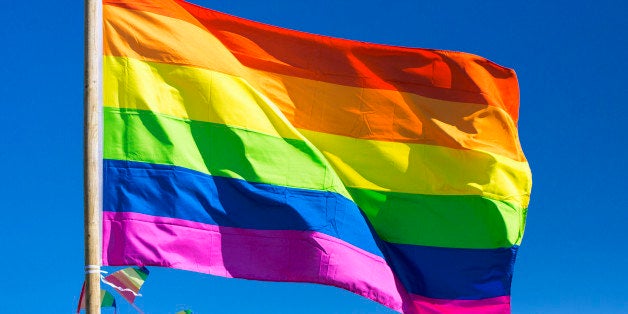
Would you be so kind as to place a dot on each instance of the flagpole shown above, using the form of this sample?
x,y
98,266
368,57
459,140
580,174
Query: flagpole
x,y
92,159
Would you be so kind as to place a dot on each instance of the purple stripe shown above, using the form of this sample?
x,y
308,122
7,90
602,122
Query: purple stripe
x,y
175,192
272,255
423,305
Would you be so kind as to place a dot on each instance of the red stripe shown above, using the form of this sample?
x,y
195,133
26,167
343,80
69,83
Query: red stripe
x,y
81,303
445,75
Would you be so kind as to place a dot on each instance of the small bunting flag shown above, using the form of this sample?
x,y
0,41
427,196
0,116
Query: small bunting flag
x,y
128,281
106,300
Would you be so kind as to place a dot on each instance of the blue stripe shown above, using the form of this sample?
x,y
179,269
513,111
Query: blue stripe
x,y
448,273
175,192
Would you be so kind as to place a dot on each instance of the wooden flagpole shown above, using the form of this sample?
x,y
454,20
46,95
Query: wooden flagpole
x,y
92,159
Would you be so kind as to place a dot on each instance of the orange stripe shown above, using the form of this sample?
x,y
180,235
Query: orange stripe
x,y
437,74
375,114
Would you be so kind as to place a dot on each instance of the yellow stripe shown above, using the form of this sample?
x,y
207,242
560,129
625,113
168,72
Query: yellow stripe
x,y
377,114
191,93
424,169
131,279
199,94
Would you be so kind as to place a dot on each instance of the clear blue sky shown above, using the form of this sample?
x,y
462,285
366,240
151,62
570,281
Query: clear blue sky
x,y
572,61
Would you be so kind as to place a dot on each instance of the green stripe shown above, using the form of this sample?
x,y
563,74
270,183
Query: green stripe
x,y
216,149
453,221
140,273
457,221
107,299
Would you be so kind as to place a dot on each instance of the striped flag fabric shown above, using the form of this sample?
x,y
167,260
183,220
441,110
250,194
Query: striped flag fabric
x,y
128,281
106,300
240,149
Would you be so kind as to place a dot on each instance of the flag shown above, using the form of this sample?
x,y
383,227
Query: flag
x,y
106,300
240,149
128,281
185,312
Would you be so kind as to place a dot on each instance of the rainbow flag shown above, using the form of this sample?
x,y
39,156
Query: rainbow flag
x,y
245,150
128,281
106,300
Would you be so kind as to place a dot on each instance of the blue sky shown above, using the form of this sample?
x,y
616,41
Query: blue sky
x,y
571,58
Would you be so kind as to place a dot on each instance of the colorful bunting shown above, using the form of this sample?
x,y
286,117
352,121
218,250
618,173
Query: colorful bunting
x,y
106,300
128,281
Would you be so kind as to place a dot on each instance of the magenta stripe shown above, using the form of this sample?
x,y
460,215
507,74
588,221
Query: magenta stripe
x,y
125,294
498,305
272,255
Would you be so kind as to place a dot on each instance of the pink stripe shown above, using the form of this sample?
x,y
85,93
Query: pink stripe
x,y
498,305
125,294
272,255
